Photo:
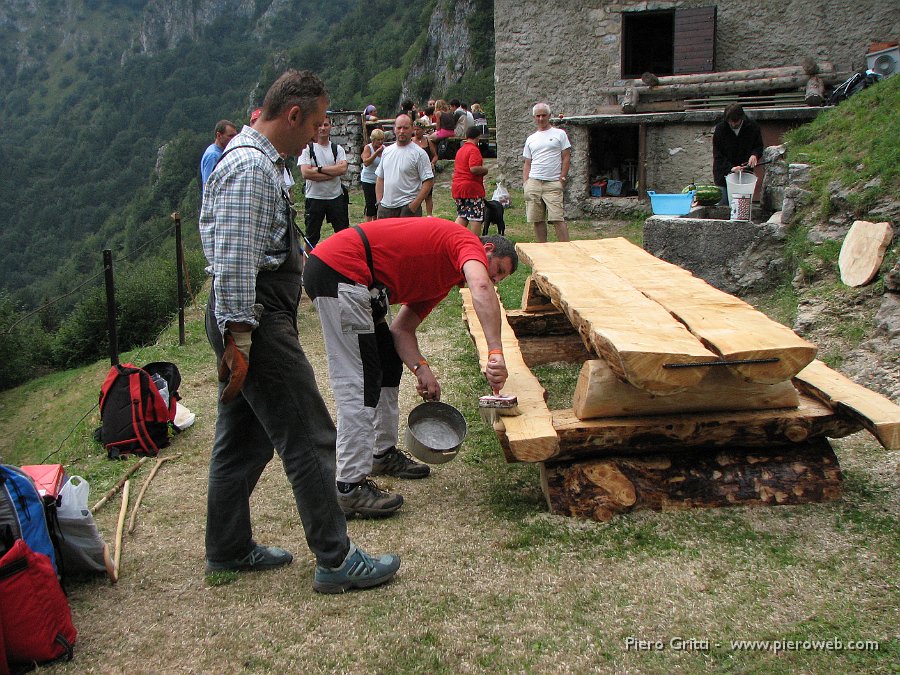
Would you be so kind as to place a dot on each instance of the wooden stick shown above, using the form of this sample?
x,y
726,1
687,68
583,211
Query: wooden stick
x,y
120,526
137,503
118,486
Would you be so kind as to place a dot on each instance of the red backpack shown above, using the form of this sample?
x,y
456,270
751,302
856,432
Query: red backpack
x,y
135,416
35,619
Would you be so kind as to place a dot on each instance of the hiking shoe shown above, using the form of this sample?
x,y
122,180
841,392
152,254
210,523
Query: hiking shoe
x,y
368,501
259,558
399,464
359,570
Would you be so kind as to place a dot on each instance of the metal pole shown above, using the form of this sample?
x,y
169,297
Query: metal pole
x,y
111,307
179,258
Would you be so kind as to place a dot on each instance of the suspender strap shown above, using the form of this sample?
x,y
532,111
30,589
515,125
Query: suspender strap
x,y
365,241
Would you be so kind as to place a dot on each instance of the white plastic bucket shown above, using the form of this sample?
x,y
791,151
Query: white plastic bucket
x,y
740,193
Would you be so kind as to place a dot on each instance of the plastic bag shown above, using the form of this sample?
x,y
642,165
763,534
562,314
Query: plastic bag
x,y
73,498
502,195
82,547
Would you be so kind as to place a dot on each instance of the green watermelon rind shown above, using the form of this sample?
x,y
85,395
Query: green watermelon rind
x,y
706,195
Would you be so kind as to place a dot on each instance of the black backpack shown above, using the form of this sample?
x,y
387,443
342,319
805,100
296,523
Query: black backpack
x,y
135,416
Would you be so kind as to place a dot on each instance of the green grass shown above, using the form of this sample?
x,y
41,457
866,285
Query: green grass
x,y
855,145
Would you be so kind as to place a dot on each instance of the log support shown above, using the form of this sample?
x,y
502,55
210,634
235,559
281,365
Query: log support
x,y
600,489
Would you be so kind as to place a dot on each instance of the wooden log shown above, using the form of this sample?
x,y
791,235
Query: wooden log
x,y
614,317
599,393
863,251
531,436
534,300
732,75
539,324
728,326
609,436
815,92
630,101
537,351
876,413
600,489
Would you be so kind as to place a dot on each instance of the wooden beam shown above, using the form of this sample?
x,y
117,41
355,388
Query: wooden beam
x,y
600,489
539,324
874,412
599,393
533,299
728,326
746,428
531,436
537,351
614,317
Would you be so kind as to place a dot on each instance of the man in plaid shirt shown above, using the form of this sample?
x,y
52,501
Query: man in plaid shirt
x,y
268,395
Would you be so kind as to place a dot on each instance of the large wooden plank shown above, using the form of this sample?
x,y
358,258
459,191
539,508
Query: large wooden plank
x,y
727,325
873,411
599,393
600,489
613,317
749,428
531,436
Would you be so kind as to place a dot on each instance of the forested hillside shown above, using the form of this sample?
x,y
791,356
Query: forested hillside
x,y
94,88
107,105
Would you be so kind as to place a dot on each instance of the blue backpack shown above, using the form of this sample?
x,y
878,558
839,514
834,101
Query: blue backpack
x,y
23,514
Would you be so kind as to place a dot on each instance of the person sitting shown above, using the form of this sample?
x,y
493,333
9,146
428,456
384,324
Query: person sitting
x,y
446,121
480,119
371,113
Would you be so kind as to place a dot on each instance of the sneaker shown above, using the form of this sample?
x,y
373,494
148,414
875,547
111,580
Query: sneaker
x,y
259,558
399,464
367,500
359,570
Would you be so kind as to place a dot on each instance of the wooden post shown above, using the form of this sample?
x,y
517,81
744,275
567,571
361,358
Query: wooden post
x,y
642,162
630,101
179,264
111,307
815,92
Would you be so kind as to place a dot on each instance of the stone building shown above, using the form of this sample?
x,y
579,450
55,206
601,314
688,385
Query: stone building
x,y
580,56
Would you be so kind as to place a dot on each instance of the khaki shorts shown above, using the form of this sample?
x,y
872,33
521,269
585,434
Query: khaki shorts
x,y
543,200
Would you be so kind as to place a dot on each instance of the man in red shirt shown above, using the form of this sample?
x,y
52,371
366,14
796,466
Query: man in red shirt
x,y
467,187
417,261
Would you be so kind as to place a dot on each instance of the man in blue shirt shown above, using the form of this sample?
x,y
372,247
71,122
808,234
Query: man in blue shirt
x,y
225,131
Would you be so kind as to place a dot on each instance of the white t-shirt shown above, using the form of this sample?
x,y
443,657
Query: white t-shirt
x,y
404,168
323,189
544,149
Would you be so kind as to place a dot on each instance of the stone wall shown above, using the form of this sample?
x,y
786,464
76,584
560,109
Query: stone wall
x,y
347,131
561,53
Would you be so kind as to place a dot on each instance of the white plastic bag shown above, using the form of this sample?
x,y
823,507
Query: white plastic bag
x,y
501,195
73,498
81,545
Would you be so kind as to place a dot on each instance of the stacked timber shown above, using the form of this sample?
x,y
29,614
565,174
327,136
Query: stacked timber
x,y
687,396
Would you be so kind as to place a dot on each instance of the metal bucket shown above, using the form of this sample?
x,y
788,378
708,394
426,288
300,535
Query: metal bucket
x,y
435,431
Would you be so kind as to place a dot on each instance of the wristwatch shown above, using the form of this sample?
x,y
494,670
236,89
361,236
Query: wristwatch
x,y
319,169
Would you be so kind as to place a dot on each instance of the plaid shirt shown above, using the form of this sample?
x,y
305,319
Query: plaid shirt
x,y
243,224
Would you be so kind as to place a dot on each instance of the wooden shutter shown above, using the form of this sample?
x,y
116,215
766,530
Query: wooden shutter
x,y
695,40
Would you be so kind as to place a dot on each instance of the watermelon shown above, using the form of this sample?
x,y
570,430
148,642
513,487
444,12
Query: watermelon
x,y
706,195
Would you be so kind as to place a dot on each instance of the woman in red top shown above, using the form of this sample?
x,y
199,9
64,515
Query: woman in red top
x,y
467,187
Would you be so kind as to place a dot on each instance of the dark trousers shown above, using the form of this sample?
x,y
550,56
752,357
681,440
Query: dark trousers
x,y
279,407
317,210
399,212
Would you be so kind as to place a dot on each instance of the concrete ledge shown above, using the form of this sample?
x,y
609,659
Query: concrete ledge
x,y
732,255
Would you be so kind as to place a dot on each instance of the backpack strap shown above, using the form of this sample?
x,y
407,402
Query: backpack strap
x,y
365,241
137,419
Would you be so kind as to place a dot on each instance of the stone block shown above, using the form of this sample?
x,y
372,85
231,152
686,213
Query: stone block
x,y
734,256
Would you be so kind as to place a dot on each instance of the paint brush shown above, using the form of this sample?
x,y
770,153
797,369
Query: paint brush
x,y
495,405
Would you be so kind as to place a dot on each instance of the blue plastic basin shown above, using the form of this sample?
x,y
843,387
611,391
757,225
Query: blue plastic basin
x,y
671,205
